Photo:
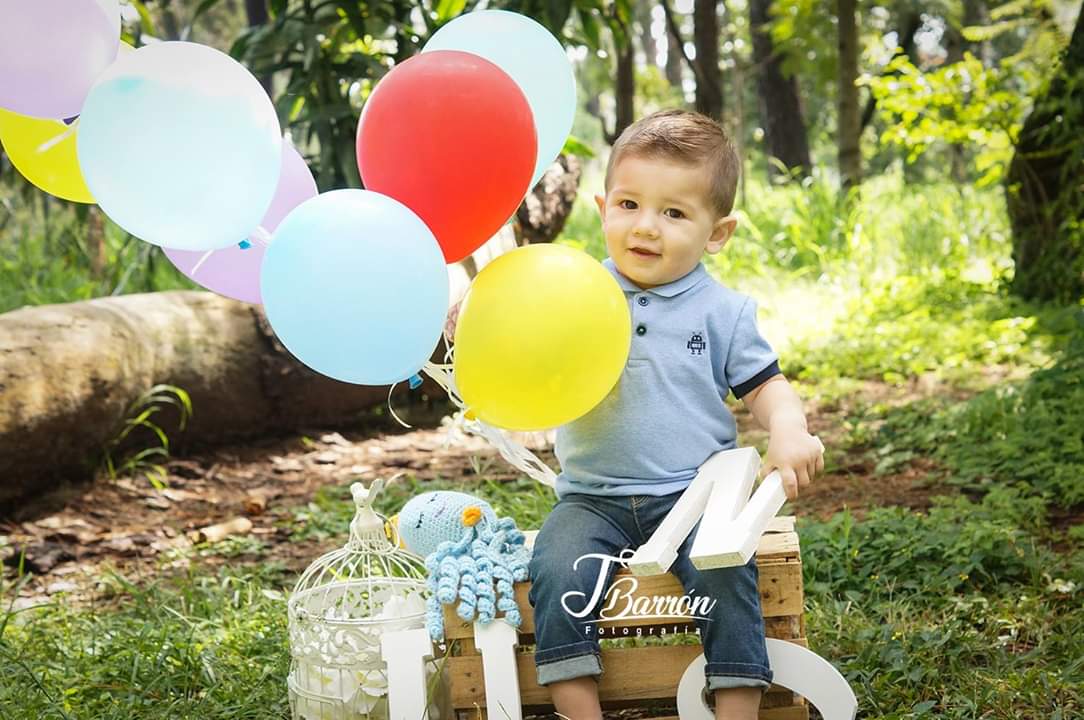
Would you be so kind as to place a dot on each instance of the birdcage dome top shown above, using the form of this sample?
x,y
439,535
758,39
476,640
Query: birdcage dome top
x,y
370,580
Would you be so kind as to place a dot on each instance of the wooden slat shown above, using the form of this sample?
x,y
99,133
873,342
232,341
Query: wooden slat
x,y
780,595
785,627
630,674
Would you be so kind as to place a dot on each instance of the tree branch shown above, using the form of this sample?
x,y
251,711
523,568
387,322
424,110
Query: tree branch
x,y
675,36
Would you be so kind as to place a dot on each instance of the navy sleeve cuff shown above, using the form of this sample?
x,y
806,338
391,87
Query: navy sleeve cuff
x,y
752,383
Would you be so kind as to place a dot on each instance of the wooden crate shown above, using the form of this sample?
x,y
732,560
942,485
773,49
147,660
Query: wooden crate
x,y
635,677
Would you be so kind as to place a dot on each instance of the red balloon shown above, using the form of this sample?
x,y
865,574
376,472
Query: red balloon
x,y
451,136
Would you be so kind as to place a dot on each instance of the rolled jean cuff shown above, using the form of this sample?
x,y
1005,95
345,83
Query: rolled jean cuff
x,y
569,668
731,675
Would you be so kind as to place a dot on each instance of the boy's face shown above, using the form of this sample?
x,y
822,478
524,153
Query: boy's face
x,y
658,220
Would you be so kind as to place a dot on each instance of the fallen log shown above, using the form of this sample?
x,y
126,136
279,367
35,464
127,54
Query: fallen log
x,y
69,373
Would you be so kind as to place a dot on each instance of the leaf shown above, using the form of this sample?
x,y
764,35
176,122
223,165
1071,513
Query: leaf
x,y
980,33
575,146
145,22
557,12
589,23
448,9
200,9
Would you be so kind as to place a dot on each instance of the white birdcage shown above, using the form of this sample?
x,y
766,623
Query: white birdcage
x,y
340,608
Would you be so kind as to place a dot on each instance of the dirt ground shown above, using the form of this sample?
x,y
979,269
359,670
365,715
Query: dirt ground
x,y
128,525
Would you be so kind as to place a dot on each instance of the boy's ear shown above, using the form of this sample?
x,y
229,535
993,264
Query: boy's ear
x,y
721,232
600,200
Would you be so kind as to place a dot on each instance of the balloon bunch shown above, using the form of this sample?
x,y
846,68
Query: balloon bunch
x,y
181,147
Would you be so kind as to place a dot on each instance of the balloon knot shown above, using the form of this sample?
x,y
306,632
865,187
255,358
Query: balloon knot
x,y
415,381
244,244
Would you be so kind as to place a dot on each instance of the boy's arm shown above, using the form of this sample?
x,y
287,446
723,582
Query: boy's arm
x,y
791,449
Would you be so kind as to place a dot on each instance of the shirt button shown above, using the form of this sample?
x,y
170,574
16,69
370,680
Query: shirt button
x,y
642,300
641,329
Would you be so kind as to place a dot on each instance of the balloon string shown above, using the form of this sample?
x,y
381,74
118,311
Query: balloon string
x,y
392,410
200,263
261,235
54,141
516,454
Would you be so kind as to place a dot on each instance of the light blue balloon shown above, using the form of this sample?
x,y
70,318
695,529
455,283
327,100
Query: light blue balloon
x,y
355,286
533,57
180,146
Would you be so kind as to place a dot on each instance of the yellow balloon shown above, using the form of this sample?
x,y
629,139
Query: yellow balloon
x,y
542,338
44,152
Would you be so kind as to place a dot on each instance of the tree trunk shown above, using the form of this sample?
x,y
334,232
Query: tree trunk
x,y
737,78
1042,188
709,83
673,61
624,89
780,110
647,40
543,213
850,155
69,373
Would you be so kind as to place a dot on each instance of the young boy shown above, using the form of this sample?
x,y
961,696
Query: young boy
x,y
670,187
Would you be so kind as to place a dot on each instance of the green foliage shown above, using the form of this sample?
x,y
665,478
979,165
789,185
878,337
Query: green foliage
x,y
887,228
958,547
943,324
961,103
140,415
330,512
996,657
953,613
330,55
965,103
47,256
202,646
1027,433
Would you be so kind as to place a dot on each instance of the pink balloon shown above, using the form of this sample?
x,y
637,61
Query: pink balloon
x,y
52,51
235,271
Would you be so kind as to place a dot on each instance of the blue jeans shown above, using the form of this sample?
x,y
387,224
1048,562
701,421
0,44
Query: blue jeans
x,y
731,629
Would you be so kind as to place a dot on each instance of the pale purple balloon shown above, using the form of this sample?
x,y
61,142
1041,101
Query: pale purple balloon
x,y
52,51
235,271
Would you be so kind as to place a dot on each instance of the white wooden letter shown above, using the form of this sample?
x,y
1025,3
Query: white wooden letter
x,y
732,543
793,667
497,642
718,491
405,652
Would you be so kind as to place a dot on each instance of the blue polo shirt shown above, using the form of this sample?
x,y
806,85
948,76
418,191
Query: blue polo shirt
x,y
693,342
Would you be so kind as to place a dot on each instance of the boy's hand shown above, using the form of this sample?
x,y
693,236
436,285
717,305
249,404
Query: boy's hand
x,y
797,455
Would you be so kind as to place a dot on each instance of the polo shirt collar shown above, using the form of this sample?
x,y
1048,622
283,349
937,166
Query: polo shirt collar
x,y
683,283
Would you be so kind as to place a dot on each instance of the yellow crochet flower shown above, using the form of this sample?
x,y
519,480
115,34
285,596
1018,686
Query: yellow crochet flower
x,y
472,515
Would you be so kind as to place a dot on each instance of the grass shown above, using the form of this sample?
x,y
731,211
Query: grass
x,y
196,646
47,255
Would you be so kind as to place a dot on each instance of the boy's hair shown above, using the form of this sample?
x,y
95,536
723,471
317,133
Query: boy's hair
x,y
685,137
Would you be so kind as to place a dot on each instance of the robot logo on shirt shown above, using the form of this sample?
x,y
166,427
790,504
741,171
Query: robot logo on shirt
x,y
696,344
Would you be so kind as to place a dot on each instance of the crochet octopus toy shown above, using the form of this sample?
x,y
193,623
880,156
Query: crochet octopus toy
x,y
470,553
